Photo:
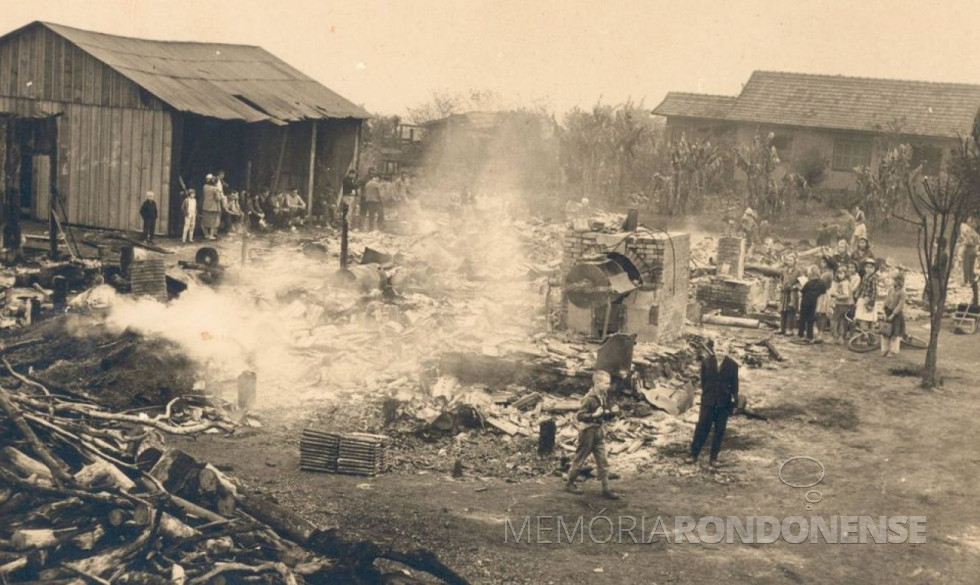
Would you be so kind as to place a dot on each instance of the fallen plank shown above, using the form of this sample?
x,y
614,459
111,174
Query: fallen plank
x,y
503,425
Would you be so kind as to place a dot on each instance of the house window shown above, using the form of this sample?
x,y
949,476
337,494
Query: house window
x,y
930,158
849,154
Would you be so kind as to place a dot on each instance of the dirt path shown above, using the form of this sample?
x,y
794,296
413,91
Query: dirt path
x,y
888,449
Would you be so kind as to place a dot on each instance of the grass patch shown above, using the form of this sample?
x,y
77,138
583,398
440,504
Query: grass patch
x,y
833,413
780,411
906,371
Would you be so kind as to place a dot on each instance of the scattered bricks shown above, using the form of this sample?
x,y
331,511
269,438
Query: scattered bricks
x,y
731,257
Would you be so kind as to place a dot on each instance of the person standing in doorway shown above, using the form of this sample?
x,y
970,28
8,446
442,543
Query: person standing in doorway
x,y
593,412
719,397
149,213
189,208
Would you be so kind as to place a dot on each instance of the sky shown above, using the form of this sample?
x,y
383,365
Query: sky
x,y
392,55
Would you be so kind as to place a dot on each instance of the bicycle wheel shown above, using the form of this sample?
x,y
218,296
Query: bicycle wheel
x,y
864,342
913,342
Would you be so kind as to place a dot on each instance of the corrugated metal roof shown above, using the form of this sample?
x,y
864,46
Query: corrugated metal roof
x,y
228,82
918,108
695,105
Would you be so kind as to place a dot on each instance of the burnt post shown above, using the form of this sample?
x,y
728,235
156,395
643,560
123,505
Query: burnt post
x,y
344,228
547,430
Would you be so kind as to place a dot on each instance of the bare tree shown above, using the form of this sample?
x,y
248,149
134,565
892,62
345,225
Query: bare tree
x,y
939,206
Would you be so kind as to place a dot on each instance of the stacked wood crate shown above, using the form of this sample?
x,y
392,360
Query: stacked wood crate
x,y
349,453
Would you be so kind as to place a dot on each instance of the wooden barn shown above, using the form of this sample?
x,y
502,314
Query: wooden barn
x,y
97,120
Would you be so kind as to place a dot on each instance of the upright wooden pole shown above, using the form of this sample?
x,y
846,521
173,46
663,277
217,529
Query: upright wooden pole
x,y
309,184
282,154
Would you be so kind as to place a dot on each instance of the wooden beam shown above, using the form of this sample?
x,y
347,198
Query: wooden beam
x,y
282,154
309,184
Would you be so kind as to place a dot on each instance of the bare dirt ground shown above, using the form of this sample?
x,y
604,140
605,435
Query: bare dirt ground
x,y
889,448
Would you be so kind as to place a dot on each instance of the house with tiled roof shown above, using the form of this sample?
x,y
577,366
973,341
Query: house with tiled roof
x,y
842,119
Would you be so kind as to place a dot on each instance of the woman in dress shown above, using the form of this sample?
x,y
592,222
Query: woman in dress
x,y
211,208
867,295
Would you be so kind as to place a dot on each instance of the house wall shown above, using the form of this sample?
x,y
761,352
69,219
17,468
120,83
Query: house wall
x,y
798,142
108,158
113,138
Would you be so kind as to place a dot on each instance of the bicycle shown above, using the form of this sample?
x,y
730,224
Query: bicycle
x,y
865,340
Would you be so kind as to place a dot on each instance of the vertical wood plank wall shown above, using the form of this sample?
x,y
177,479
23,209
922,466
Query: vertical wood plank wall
x,y
112,157
114,141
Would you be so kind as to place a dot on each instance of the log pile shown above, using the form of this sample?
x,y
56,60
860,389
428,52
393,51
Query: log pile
x,y
92,496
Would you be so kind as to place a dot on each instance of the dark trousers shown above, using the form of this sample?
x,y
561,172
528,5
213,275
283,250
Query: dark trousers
x,y
375,213
805,327
149,226
787,320
716,416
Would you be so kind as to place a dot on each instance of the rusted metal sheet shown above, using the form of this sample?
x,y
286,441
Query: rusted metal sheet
x,y
38,63
228,82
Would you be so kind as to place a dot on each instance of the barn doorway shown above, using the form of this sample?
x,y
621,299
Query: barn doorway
x,y
29,171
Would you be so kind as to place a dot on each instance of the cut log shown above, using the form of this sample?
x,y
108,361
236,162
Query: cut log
x,y
61,477
117,517
25,465
28,539
174,529
131,578
776,355
88,540
175,470
101,473
730,321
282,521
211,480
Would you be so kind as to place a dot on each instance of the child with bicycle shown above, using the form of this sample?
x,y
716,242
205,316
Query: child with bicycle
x,y
865,313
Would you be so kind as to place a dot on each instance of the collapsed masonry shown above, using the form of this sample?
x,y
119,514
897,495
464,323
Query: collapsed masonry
x,y
626,282
729,290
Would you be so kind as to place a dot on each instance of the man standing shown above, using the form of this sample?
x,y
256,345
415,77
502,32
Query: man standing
x,y
148,211
593,412
719,397
372,209
970,240
349,189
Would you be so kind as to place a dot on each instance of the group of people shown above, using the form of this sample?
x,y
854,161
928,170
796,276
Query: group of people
x,y
719,399
363,201
225,209
838,293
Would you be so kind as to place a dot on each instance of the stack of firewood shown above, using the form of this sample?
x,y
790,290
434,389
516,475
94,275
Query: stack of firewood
x,y
91,496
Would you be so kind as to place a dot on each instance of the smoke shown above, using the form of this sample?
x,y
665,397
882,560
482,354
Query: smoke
x,y
461,274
